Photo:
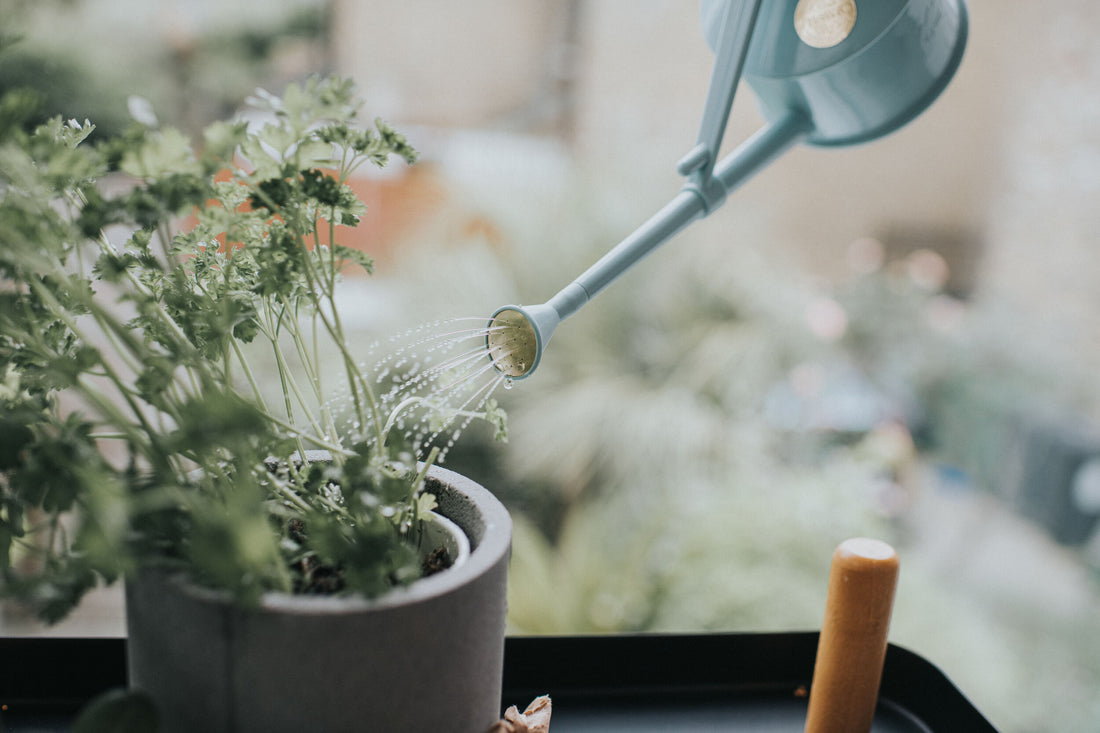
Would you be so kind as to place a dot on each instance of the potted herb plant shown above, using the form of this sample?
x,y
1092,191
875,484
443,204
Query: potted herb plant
x,y
269,587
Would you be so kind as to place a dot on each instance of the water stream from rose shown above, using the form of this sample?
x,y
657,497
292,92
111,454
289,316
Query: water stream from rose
x,y
431,382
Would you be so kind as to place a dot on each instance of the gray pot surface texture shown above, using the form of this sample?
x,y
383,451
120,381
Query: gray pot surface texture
x,y
424,658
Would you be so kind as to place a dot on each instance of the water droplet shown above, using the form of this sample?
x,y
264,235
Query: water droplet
x,y
436,377
508,383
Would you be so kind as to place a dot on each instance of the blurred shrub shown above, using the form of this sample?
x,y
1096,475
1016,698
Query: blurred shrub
x,y
698,440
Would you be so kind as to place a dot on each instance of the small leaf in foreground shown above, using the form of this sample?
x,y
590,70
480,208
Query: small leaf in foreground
x,y
119,711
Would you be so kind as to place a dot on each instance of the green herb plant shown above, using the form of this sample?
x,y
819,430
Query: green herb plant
x,y
133,429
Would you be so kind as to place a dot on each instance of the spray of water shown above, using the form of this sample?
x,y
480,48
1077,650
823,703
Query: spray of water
x,y
431,382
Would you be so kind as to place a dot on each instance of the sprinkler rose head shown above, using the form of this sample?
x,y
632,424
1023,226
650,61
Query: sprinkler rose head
x,y
516,335
512,343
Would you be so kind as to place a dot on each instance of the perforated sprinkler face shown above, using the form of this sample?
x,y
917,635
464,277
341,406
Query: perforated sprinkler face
x,y
512,343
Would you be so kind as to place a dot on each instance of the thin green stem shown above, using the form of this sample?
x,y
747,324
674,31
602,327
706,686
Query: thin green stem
x,y
418,482
319,441
334,271
164,235
308,364
357,384
111,374
247,369
286,376
292,497
395,414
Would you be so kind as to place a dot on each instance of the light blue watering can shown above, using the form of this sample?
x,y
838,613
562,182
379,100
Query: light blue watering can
x,y
825,72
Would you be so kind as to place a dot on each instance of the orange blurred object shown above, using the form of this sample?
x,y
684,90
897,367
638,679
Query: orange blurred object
x,y
852,647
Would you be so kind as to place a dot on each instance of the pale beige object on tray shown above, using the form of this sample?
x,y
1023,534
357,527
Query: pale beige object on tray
x,y
535,719
852,648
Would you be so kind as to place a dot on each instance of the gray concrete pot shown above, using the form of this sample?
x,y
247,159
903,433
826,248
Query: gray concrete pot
x,y
424,658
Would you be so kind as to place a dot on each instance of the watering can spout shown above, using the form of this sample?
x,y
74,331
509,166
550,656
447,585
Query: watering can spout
x,y
517,334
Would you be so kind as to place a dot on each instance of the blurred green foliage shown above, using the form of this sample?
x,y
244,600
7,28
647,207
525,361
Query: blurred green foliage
x,y
61,86
699,439
191,74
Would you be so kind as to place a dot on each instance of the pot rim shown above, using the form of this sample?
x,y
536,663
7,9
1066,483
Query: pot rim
x,y
456,541
462,501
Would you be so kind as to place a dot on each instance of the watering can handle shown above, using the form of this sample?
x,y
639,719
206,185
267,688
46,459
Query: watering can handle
x,y
735,21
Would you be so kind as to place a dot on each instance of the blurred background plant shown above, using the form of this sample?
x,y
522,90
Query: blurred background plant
x,y
895,340
695,445
191,62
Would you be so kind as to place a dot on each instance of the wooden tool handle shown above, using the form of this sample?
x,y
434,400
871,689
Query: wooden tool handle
x,y
852,647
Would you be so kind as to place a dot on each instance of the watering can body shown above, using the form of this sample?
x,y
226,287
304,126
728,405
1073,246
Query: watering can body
x,y
892,64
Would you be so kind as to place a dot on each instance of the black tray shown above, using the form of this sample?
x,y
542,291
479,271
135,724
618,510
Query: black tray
x,y
641,684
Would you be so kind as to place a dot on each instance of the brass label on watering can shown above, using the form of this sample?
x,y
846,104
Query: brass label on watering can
x,y
824,23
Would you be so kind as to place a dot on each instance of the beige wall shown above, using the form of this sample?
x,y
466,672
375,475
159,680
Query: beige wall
x,y
446,62
1045,216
